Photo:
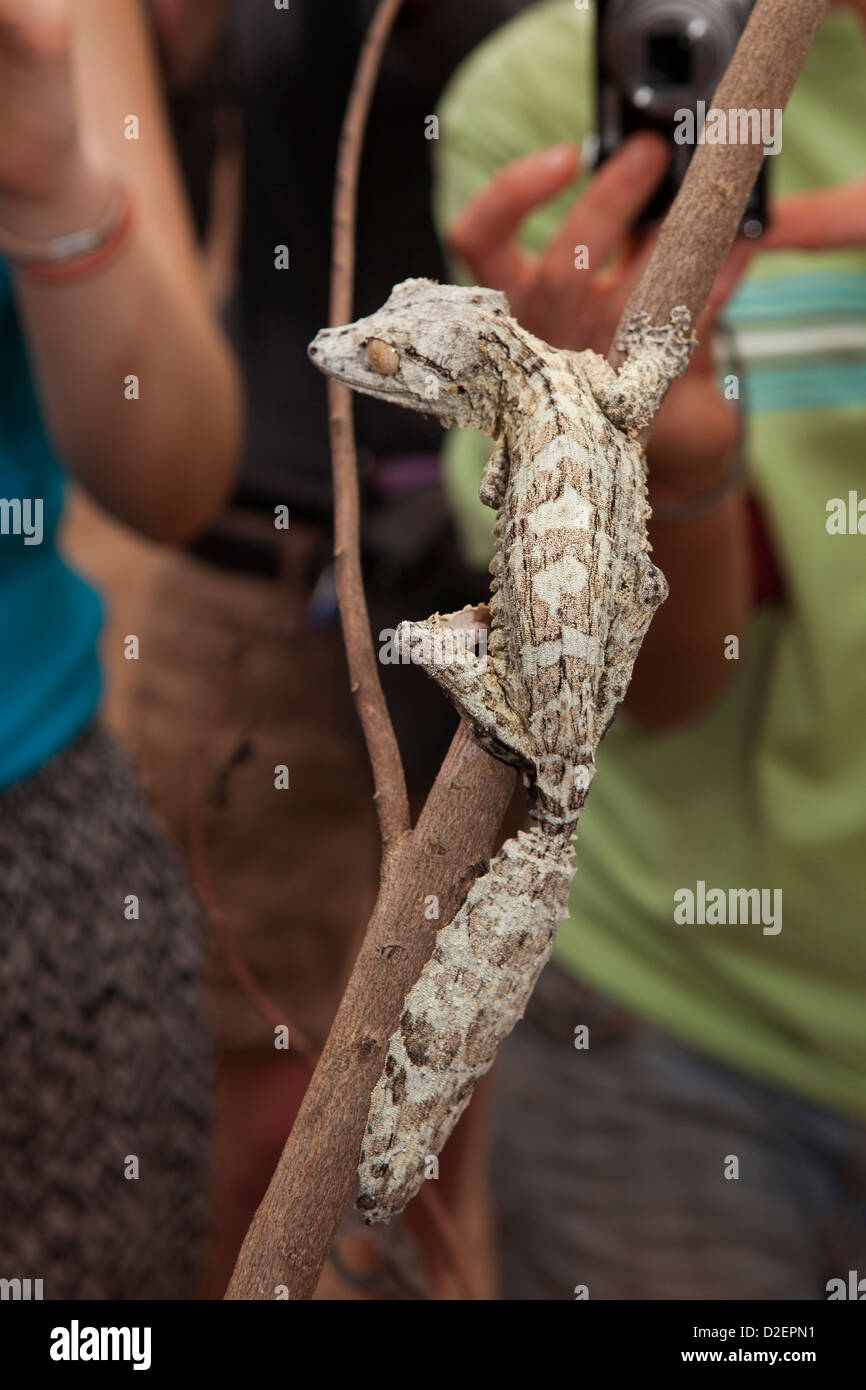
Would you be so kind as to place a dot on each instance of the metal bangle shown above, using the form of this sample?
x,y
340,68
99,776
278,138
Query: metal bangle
x,y
72,246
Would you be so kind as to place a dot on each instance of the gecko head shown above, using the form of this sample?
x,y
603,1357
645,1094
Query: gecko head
x,y
431,348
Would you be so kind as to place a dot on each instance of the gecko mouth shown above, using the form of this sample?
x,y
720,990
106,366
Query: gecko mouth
x,y
367,371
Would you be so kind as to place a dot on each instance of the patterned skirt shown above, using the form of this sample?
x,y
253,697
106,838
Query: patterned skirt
x,y
105,1061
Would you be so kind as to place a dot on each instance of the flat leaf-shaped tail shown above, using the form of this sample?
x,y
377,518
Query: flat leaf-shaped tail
x,y
466,1001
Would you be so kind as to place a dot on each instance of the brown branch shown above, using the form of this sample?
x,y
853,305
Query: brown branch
x,y
392,803
295,1224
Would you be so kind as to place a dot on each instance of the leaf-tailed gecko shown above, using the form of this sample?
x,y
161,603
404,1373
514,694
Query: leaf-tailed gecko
x,y
573,592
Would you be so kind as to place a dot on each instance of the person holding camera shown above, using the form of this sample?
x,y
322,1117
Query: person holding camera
x,y
681,1114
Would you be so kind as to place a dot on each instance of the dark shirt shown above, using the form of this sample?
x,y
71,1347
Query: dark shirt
x,y
291,71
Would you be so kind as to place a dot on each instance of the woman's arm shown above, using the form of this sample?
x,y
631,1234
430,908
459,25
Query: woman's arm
x,y
71,76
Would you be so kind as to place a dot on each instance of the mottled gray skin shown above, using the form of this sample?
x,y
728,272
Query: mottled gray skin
x,y
573,593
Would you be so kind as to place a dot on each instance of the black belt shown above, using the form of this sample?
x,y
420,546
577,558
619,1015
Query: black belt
x,y
240,554
228,548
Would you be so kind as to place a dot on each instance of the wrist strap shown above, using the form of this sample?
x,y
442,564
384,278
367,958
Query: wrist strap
x,y
76,253
701,505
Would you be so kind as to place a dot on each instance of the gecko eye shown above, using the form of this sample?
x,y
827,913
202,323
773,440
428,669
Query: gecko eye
x,y
382,357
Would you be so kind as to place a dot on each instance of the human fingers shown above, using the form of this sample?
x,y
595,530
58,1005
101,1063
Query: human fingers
x,y
822,219
603,216
483,233
563,299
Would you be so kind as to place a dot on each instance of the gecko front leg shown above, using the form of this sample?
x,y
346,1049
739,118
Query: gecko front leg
x,y
653,357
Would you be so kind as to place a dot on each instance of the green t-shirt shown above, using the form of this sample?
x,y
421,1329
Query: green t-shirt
x,y
767,790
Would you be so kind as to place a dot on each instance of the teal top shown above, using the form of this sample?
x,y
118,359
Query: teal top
x,y
49,618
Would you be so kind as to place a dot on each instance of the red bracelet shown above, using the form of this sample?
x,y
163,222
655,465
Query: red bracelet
x,y
77,253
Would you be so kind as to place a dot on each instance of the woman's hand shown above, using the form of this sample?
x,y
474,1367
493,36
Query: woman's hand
x,y
47,185
38,133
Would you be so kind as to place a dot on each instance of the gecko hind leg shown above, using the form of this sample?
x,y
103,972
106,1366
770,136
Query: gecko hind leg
x,y
441,647
635,610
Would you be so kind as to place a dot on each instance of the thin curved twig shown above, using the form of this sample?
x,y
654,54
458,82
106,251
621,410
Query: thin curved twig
x,y
392,802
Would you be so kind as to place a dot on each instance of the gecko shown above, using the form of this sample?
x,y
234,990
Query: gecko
x,y
573,591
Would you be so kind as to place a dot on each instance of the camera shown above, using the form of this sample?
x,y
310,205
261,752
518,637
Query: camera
x,y
655,59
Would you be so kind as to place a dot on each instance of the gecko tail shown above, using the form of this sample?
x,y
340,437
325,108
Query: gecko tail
x,y
469,996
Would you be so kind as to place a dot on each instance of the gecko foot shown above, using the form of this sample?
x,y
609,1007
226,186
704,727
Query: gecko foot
x,y
452,648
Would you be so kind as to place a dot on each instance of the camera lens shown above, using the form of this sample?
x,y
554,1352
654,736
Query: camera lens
x,y
665,54
669,60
